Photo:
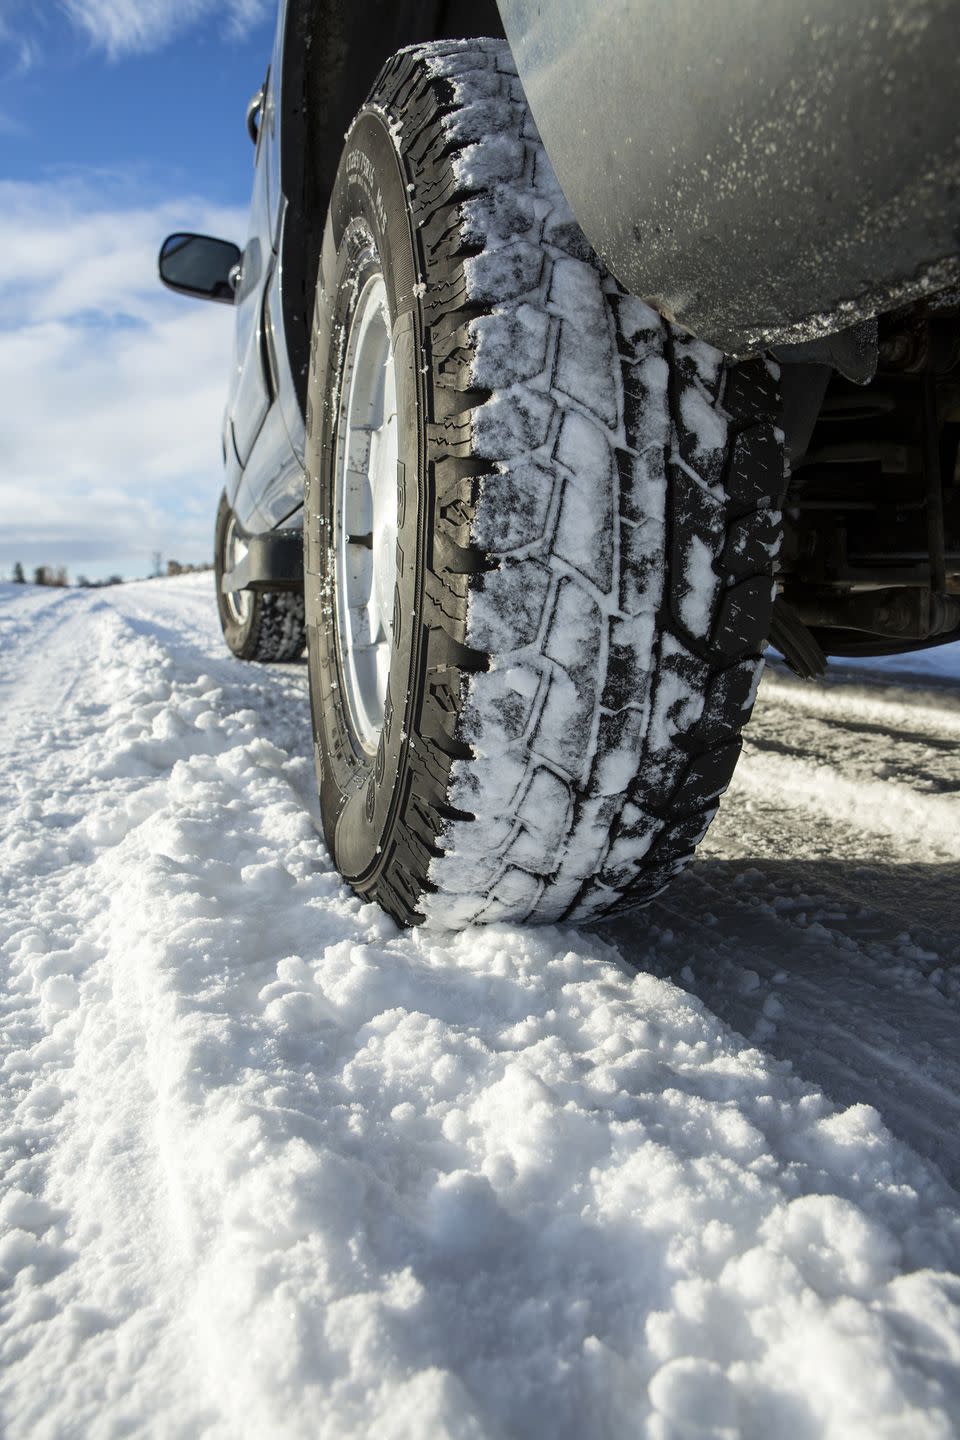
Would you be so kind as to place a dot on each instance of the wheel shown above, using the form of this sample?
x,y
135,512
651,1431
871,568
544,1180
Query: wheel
x,y
257,625
540,528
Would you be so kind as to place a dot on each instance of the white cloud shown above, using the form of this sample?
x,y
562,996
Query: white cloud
x,y
23,48
113,388
130,26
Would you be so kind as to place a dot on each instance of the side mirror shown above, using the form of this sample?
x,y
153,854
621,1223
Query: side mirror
x,y
199,265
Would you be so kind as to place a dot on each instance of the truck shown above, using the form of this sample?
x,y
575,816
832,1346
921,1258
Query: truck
x,y
583,350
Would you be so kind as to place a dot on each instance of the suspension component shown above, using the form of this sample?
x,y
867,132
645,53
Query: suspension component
x,y
897,612
874,501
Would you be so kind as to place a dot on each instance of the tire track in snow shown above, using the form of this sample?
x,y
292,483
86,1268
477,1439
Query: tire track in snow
x,y
84,1264
920,826
811,988
876,733
823,926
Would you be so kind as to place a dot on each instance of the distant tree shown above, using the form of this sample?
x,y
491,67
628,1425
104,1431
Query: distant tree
x,y
175,567
18,575
83,582
48,575
157,569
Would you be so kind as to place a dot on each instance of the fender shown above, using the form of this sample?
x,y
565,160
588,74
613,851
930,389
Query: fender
x,y
762,173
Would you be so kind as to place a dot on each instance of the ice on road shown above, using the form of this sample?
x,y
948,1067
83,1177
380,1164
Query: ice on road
x,y
272,1167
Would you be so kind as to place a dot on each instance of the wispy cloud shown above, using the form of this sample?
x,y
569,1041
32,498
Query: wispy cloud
x,y
19,41
122,27
113,388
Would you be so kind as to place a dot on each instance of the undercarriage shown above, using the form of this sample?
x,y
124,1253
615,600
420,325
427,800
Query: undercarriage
x,y
870,561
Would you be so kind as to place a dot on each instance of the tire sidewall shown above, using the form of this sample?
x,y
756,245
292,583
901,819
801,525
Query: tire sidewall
x,y
368,229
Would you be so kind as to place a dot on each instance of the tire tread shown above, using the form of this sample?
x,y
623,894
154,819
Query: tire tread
x,y
586,786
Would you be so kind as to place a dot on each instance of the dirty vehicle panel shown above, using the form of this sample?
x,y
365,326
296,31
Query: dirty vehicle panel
x,y
768,175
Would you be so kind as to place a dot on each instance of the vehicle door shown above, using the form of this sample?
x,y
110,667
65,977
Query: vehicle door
x,y
251,390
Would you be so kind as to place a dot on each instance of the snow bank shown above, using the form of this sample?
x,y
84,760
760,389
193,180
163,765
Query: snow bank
x,y
275,1168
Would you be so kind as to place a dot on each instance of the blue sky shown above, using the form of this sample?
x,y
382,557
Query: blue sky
x,y
119,121
169,117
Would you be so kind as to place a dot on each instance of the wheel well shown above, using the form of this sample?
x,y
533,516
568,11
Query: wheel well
x,y
333,53
870,562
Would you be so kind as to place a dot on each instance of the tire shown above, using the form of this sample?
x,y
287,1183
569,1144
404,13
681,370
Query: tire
x,y
587,520
257,625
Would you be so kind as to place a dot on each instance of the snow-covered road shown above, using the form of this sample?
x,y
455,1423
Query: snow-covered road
x,y
273,1168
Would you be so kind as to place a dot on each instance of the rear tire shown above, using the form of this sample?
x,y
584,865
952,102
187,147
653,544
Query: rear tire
x,y
587,518
257,625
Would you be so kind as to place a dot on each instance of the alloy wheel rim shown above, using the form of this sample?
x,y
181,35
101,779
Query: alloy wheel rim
x,y
365,514
238,602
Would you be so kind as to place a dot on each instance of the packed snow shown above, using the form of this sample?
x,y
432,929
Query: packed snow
x,y
272,1167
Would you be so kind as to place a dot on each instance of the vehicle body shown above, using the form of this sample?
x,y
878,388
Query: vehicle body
x,y
783,184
